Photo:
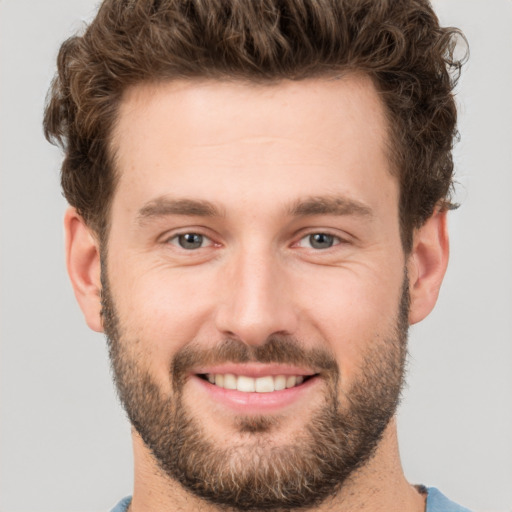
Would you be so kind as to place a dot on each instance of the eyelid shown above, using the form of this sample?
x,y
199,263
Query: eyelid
x,y
207,241
339,239
175,234
336,240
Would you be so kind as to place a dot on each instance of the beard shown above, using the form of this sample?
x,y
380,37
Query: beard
x,y
253,473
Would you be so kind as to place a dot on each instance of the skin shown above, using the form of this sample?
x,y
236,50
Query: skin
x,y
254,152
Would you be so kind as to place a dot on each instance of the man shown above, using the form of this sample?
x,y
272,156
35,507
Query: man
x,y
258,194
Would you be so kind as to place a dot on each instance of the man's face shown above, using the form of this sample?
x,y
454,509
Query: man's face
x,y
255,244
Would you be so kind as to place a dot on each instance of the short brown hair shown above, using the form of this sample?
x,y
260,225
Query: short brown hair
x,y
398,43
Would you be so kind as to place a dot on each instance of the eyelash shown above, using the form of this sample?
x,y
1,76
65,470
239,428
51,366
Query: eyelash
x,y
188,233
333,239
336,240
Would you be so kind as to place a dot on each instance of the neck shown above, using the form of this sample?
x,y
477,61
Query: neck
x,y
378,486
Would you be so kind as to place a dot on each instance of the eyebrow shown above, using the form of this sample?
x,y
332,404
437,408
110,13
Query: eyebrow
x,y
329,205
310,206
162,206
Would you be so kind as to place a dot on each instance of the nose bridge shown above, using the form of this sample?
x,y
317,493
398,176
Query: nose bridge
x,y
257,300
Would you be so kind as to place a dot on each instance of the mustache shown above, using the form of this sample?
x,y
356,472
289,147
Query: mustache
x,y
276,349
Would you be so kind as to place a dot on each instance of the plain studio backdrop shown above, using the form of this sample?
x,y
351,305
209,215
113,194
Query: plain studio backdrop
x,y
65,443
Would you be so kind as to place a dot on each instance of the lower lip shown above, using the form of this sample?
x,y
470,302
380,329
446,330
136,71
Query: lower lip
x,y
256,403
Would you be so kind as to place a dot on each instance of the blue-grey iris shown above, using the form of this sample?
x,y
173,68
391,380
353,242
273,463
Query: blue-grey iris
x,y
321,241
190,240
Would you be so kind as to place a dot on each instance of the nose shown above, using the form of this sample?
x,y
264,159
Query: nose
x,y
256,300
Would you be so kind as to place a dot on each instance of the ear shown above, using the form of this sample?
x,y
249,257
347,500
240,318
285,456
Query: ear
x,y
83,263
427,265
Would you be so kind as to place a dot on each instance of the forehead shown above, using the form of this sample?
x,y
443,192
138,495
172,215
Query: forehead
x,y
233,142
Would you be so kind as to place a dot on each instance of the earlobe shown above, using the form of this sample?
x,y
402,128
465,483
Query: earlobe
x,y
427,265
84,267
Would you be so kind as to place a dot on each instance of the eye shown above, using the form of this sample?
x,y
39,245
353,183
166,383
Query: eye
x,y
319,241
190,241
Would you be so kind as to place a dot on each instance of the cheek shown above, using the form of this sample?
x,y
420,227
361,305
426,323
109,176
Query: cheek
x,y
346,309
351,311
162,311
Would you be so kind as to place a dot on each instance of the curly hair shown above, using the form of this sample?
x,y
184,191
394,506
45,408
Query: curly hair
x,y
399,44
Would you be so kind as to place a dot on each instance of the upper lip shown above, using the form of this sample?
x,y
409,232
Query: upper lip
x,y
254,370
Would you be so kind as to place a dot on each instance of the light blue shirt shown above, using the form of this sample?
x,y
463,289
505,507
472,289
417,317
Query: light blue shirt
x,y
436,502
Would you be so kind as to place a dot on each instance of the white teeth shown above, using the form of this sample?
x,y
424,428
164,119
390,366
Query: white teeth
x,y
246,384
264,384
291,381
229,381
279,382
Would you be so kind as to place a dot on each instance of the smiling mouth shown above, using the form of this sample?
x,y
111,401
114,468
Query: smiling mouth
x,y
265,384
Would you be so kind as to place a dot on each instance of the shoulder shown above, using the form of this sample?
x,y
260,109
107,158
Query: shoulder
x,y
122,506
438,502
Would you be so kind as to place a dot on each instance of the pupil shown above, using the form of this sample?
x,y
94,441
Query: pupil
x,y
321,241
191,241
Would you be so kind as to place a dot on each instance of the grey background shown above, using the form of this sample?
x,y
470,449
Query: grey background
x,y
65,444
